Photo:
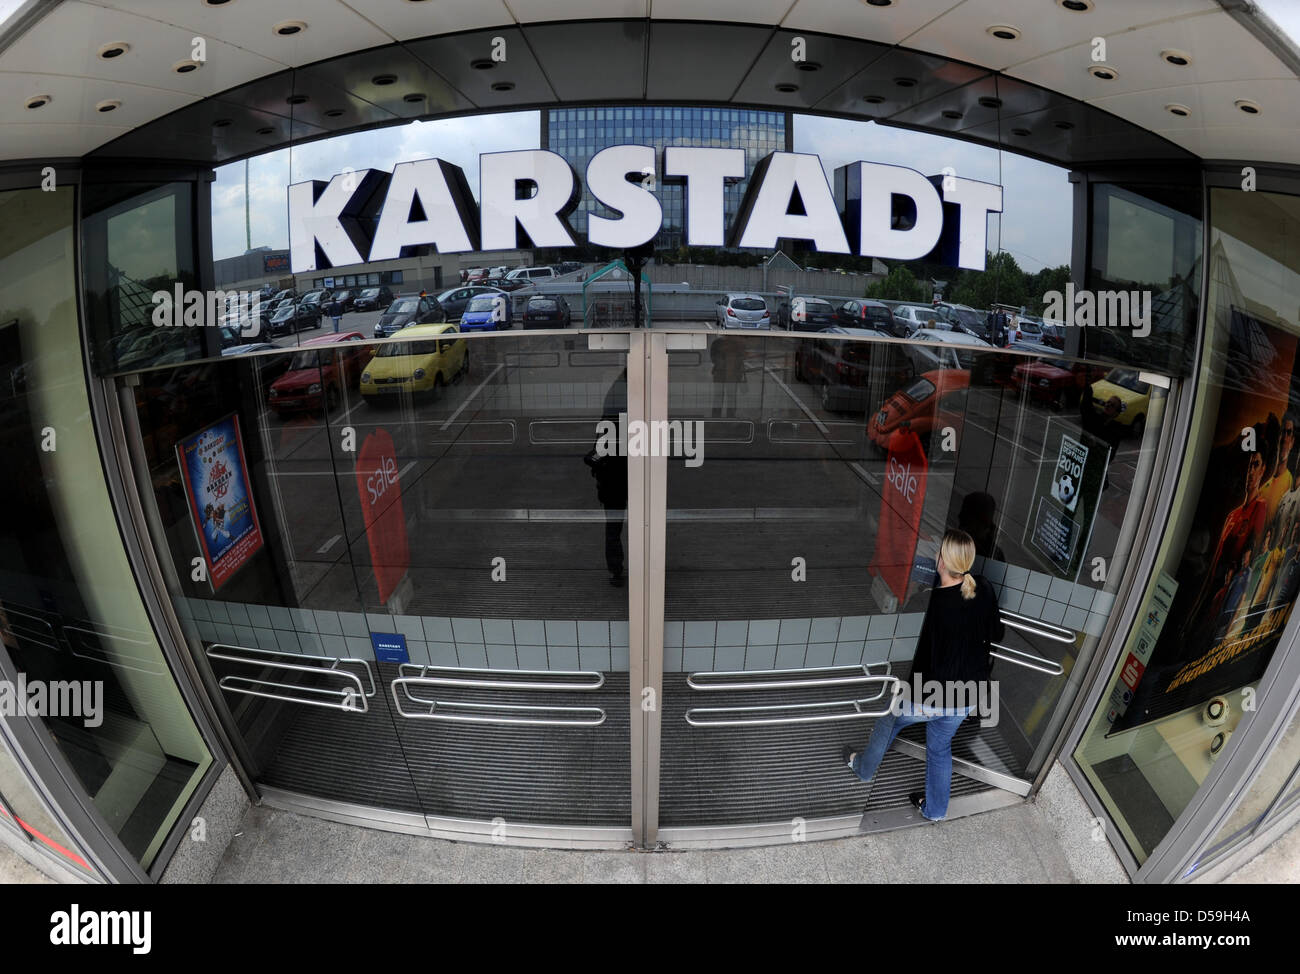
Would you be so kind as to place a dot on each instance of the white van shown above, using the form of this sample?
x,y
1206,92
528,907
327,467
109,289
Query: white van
x,y
531,274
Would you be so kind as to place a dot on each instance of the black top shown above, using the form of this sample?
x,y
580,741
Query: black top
x,y
955,636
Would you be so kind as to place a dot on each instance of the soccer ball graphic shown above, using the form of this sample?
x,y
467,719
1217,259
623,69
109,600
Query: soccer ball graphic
x,y
1066,489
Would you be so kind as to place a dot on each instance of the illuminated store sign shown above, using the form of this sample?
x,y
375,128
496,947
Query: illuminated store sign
x,y
875,210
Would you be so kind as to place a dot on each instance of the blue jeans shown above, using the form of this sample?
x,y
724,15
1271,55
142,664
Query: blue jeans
x,y
939,731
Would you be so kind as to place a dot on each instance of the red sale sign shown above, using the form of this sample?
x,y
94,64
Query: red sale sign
x,y
381,507
900,511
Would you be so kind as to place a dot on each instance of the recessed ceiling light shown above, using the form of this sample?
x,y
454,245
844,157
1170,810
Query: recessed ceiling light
x,y
482,64
216,3
1247,106
503,86
289,27
116,49
1063,125
905,82
1021,133
879,3
1103,71
1182,111
808,66
384,79
266,130
185,67
38,101
1004,33
413,97
334,113
111,105
874,99
221,123
1075,6
989,101
1177,58
786,87
952,114
297,100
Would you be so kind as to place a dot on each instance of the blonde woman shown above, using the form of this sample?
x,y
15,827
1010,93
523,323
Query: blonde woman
x,y
952,658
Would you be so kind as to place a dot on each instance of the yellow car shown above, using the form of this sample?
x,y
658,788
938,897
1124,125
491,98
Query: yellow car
x,y
420,358
1135,396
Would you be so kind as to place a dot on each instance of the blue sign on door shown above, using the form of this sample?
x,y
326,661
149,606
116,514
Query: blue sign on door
x,y
390,647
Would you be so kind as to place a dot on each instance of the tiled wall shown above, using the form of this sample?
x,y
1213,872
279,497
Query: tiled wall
x,y
689,646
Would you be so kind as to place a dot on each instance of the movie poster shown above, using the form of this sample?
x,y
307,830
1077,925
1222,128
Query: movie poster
x,y
220,501
1241,565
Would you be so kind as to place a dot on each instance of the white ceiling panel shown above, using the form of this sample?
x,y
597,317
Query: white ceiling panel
x,y
535,11
67,42
55,140
853,18
406,21
73,103
1045,27
333,28
766,12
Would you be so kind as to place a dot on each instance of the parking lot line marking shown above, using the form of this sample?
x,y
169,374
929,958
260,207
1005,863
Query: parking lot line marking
x,y
452,418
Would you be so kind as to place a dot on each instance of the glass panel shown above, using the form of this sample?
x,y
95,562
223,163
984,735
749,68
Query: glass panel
x,y
24,811
803,542
1229,568
73,612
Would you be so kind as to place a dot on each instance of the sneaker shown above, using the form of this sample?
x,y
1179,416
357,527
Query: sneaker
x,y
849,755
917,798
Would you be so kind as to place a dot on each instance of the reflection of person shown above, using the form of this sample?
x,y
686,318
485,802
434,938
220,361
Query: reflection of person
x,y
611,486
1279,479
335,311
978,518
961,621
728,356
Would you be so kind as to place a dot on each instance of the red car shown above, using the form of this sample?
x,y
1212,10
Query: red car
x,y
317,372
1057,382
932,401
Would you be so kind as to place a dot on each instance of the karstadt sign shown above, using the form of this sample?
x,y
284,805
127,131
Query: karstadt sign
x,y
527,196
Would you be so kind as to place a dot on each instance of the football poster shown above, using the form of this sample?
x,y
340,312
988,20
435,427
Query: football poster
x,y
220,500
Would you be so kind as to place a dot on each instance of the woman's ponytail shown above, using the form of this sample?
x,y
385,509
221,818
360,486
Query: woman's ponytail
x,y
958,553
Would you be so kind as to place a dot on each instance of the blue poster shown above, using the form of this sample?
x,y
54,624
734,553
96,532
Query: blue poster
x,y
221,503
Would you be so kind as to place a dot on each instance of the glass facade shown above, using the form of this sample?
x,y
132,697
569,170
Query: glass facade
x,y
577,134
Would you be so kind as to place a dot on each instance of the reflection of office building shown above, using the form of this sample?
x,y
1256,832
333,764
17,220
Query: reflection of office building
x,y
447,628
579,133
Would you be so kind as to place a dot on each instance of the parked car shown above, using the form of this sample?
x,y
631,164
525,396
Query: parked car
x,y
408,309
372,299
317,297
289,318
742,311
840,370
547,311
917,316
800,313
959,355
425,358
932,401
1053,333
319,372
1054,381
247,348
505,284
1136,397
454,299
499,271
531,274
961,317
281,296
493,311
475,275
345,299
865,313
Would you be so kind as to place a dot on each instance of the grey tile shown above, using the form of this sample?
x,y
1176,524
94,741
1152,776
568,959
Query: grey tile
x,y
360,648
473,655
1032,606
563,657
853,628
824,630
697,658
1103,601
819,654
553,866
226,634
792,657
380,622
530,657
676,867
700,634
764,657
493,864
287,640
531,632
199,609
333,645
327,622
218,610
674,633
502,656
902,649
1095,624
354,624
467,630
303,620
764,632
909,624
594,658
500,631
673,659
618,634
207,630
240,616
995,571
800,862
728,658
1081,595
733,632
593,634
620,659
437,629
444,654
561,632
848,653
614,867
265,639
416,649
411,628
1053,612
1038,584
794,631
881,627
1010,599
280,618
877,650
1075,618
1016,577
1061,590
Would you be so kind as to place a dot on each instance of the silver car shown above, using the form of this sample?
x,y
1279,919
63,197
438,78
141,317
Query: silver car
x,y
743,311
